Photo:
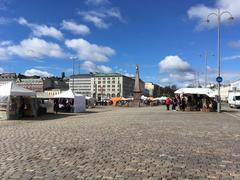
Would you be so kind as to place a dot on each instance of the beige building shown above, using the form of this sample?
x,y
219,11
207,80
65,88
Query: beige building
x,y
154,90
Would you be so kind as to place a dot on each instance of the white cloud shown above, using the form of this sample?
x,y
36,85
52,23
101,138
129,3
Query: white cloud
x,y
174,63
127,74
41,30
99,17
97,21
182,76
90,52
75,28
235,57
5,43
35,48
97,2
35,72
164,80
3,54
234,44
201,12
91,67
176,70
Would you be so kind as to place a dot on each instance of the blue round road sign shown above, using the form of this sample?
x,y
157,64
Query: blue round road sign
x,y
219,79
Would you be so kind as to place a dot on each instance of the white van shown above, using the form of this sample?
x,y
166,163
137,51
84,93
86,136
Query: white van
x,y
234,99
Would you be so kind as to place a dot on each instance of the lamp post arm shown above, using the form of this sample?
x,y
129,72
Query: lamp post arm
x,y
226,12
211,14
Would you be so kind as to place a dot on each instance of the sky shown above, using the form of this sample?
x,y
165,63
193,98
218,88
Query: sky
x,y
168,39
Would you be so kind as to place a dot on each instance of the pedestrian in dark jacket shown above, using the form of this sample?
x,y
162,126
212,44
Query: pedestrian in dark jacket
x,y
174,103
56,106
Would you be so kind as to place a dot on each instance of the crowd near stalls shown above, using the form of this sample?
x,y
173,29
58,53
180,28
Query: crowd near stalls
x,y
69,101
90,102
17,102
193,99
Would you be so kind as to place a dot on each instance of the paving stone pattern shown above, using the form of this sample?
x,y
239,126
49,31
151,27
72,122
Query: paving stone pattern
x,y
123,143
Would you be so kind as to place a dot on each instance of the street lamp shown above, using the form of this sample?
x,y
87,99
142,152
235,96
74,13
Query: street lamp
x,y
73,58
219,14
206,56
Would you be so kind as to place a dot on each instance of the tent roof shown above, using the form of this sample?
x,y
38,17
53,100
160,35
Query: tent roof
x,y
12,89
201,91
67,94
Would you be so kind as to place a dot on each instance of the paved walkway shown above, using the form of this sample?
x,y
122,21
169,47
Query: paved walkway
x,y
122,143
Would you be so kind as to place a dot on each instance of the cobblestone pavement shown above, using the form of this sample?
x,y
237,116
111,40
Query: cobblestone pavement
x,y
124,143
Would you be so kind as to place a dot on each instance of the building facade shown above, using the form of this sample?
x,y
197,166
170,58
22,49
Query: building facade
x,y
103,86
7,77
154,90
235,86
81,84
40,84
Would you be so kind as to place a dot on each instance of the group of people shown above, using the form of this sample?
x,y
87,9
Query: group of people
x,y
191,102
65,105
178,103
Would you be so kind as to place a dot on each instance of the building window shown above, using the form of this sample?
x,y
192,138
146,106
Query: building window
x,y
113,82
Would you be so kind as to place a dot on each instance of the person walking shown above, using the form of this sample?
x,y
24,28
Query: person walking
x,y
56,106
178,103
183,103
174,103
168,102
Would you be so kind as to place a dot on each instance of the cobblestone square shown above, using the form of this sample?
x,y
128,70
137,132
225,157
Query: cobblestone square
x,y
122,143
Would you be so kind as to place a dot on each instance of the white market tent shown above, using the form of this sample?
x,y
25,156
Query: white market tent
x,y
201,91
79,100
9,90
163,98
12,89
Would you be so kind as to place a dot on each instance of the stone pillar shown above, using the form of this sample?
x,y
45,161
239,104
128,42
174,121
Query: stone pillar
x,y
137,91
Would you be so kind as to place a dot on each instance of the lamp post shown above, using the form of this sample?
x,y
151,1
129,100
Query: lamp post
x,y
73,65
206,56
219,14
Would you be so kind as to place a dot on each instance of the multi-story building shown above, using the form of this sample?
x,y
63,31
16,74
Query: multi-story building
x,y
81,84
103,86
7,77
35,84
235,86
40,84
154,90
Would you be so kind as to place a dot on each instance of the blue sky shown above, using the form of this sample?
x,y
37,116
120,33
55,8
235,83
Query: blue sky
x,y
166,38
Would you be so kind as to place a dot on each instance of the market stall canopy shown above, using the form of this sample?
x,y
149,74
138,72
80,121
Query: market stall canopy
x,y
79,100
200,91
69,94
117,99
163,98
12,89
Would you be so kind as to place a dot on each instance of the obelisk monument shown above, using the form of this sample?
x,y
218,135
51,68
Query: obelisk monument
x,y
137,91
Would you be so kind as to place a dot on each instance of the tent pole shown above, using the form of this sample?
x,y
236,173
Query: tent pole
x,y
8,107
